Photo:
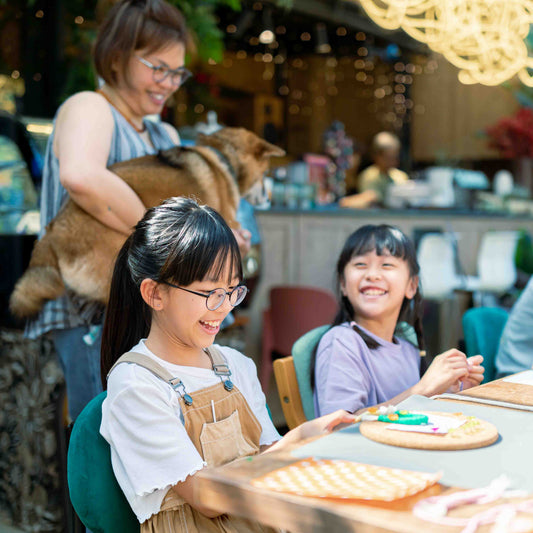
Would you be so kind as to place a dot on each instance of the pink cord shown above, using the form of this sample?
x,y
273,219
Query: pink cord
x,y
435,508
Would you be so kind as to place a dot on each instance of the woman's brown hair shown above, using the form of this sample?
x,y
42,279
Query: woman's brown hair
x,y
135,25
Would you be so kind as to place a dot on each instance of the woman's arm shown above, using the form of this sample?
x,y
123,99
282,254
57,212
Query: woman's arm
x,y
359,200
82,141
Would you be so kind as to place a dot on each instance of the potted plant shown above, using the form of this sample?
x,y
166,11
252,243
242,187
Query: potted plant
x,y
512,137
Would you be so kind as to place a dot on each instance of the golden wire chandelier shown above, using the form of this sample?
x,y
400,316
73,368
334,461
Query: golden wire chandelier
x,y
485,39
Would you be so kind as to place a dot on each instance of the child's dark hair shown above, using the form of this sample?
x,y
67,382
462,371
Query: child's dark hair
x,y
382,239
178,241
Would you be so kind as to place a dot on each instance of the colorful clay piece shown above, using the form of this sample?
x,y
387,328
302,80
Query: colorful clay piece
x,y
389,414
404,417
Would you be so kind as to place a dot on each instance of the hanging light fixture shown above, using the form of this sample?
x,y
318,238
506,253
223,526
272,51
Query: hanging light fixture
x,y
322,44
267,35
485,39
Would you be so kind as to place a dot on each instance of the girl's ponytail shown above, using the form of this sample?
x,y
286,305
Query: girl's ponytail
x,y
127,316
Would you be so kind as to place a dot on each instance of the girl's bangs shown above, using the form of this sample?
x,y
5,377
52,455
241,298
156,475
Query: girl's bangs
x,y
226,261
203,253
381,239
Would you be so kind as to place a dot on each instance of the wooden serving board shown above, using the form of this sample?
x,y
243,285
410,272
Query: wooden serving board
x,y
500,390
464,438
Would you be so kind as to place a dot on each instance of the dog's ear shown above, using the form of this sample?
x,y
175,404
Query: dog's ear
x,y
172,156
264,149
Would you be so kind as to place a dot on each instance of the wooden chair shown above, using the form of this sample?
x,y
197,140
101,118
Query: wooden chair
x,y
293,379
289,392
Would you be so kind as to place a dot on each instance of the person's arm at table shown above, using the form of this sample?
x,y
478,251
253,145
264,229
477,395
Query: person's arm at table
x,y
359,200
312,428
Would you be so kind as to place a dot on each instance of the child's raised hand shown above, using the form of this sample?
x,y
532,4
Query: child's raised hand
x,y
445,373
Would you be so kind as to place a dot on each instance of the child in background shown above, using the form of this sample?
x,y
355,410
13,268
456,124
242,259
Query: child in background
x,y
359,361
177,403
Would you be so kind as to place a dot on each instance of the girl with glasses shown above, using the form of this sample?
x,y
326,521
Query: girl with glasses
x,y
175,402
138,54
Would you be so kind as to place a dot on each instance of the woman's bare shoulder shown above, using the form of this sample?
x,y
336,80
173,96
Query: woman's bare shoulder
x,y
86,102
87,107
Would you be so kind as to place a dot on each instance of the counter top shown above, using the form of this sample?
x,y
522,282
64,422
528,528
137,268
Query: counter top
x,y
335,210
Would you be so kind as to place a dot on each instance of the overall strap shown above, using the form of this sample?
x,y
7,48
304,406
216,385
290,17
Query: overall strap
x,y
220,366
155,368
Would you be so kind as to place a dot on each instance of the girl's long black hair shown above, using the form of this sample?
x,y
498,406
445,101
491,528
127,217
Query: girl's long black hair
x,y
178,241
382,239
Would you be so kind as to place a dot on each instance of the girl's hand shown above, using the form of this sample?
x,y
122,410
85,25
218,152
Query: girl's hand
x,y
312,428
475,372
445,373
325,424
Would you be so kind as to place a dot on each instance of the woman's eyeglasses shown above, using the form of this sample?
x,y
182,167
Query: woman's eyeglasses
x,y
159,73
215,298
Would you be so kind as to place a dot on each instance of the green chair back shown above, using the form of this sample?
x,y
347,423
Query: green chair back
x,y
483,328
302,352
94,492
524,253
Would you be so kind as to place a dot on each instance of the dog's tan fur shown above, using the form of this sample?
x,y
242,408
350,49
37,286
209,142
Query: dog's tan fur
x,y
78,252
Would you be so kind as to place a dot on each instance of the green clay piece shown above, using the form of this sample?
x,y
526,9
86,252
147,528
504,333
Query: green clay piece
x,y
405,418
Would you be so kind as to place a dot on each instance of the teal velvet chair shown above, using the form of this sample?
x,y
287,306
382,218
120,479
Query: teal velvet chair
x,y
94,492
483,328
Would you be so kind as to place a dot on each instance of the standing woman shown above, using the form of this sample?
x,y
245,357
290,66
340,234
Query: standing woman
x,y
139,54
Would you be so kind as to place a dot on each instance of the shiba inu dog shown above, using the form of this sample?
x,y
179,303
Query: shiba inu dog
x,y
78,252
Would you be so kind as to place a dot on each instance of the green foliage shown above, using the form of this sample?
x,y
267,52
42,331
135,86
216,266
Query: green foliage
x,y
202,22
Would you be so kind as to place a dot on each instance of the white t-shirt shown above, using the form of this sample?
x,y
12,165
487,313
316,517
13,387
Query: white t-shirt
x,y
143,423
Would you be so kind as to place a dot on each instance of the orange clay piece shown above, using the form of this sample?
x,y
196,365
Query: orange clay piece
x,y
372,410
393,416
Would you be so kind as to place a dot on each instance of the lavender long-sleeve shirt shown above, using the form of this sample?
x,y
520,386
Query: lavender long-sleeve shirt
x,y
349,375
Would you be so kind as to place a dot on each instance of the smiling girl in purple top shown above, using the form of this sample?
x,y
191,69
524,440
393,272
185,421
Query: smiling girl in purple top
x,y
359,361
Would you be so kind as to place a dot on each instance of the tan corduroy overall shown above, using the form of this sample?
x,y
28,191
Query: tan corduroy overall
x,y
234,434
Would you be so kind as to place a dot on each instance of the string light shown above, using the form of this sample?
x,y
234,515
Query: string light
x,y
267,37
484,39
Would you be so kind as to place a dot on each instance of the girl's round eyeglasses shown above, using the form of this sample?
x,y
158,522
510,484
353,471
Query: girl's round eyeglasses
x,y
215,298
159,73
